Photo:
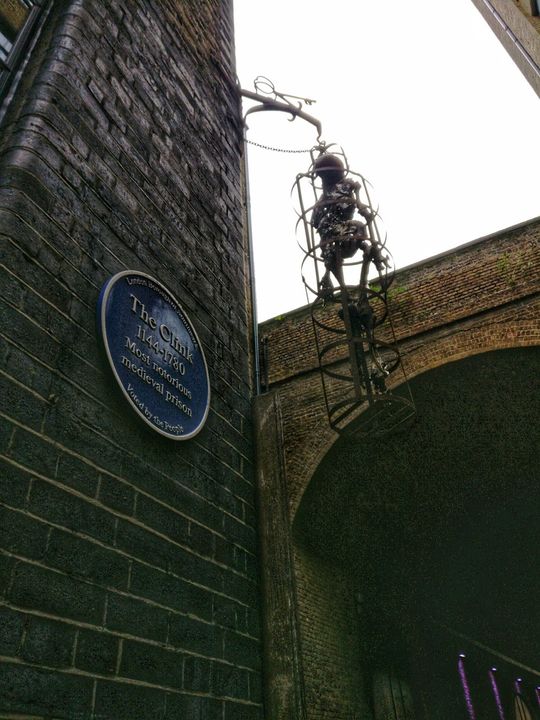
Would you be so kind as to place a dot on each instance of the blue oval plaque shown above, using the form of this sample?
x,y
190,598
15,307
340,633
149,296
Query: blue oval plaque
x,y
154,353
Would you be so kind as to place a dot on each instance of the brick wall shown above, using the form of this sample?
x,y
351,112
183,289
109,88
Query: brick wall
x,y
330,644
425,525
128,568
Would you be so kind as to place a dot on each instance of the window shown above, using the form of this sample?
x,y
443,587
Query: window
x,y
18,22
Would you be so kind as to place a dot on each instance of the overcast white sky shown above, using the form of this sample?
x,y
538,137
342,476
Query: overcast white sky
x,y
426,104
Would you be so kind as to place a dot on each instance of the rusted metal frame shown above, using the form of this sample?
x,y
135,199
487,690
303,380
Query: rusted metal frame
x,y
370,360
309,233
350,409
385,412
360,356
356,349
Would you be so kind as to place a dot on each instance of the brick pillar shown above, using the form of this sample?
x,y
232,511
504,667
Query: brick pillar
x,y
283,681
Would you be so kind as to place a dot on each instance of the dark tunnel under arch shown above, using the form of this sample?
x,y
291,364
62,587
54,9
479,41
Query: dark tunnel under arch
x,y
428,533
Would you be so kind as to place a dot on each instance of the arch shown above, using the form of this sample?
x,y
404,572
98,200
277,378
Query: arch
x,y
330,609
460,342
446,310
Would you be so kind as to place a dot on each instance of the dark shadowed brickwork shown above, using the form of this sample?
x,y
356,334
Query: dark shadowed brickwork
x,y
432,532
128,569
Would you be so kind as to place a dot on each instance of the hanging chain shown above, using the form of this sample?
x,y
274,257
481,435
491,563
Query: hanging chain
x,y
275,149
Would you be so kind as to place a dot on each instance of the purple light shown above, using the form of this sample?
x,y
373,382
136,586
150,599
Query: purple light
x,y
538,695
465,685
496,694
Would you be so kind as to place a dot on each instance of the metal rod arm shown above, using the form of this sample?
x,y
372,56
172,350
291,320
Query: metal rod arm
x,y
271,104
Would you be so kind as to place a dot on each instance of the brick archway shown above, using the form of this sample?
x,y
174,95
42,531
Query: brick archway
x,y
480,297
391,523
498,333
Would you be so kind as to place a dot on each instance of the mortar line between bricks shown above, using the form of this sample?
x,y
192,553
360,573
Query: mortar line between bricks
x,y
123,680
124,553
80,625
29,490
93,701
10,716
9,445
41,297
98,484
75,647
49,532
124,593
24,387
106,608
72,453
119,656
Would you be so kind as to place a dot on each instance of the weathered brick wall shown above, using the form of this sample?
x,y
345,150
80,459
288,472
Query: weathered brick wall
x,y
331,660
469,280
128,570
374,514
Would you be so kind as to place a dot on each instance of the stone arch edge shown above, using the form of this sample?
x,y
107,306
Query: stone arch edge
x,y
529,336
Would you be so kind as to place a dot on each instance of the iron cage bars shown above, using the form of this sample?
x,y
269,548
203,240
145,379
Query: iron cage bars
x,y
371,359
385,411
